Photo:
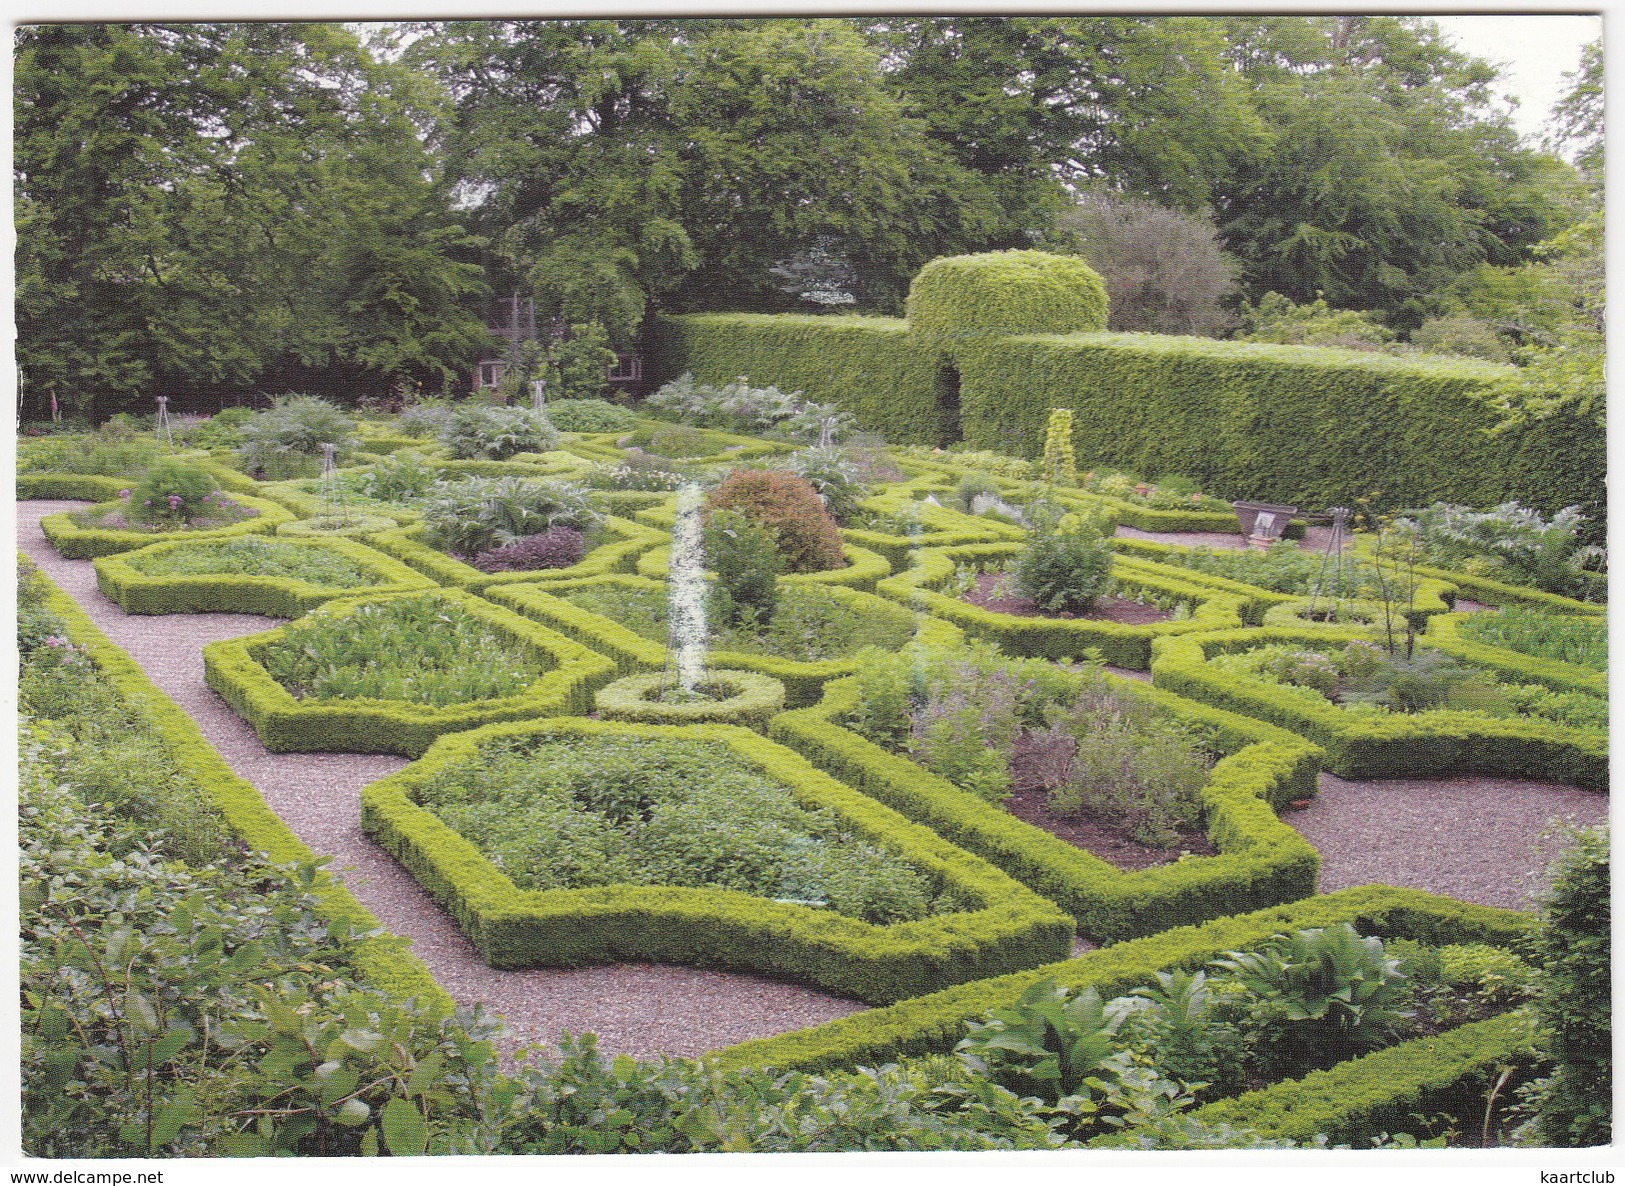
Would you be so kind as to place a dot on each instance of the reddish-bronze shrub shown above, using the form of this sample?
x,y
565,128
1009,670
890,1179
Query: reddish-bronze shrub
x,y
789,508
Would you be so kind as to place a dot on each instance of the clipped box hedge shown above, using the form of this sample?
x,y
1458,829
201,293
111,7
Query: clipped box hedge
x,y
1432,595
1306,425
752,700
872,367
934,1023
1261,860
236,593
1120,644
863,570
632,653
1444,632
1435,744
1010,927
88,487
624,541
74,542
1297,424
381,959
939,527
1386,1092
285,724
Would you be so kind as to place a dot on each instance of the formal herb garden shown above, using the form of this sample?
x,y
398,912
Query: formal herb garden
x,y
944,801
937,725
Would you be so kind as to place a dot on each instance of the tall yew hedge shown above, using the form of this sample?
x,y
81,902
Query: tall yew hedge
x,y
994,342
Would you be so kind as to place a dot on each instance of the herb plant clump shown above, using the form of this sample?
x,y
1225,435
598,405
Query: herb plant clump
x,y
481,514
286,440
417,649
1139,772
475,431
557,547
1064,571
747,562
173,493
590,415
570,814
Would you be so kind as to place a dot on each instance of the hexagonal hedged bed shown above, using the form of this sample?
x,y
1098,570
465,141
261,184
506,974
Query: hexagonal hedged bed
x,y
577,841
389,674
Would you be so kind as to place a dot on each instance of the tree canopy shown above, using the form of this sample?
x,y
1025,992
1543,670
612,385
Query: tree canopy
x,y
214,206
205,205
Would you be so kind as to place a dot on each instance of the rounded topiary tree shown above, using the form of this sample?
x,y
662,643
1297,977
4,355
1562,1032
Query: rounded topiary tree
x,y
998,293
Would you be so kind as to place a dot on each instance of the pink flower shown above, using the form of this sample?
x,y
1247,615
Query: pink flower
x,y
1196,498
124,494
174,501
1142,489
147,501
52,640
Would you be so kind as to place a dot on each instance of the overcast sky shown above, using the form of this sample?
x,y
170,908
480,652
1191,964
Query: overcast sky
x,y
1533,51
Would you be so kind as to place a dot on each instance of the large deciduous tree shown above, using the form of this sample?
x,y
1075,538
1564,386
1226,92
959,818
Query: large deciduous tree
x,y
615,163
210,205
1390,174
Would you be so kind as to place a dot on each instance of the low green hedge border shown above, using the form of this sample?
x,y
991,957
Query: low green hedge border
x,y
1120,644
803,681
381,958
1433,596
624,541
233,593
864,569
1490,591
1444,632
753,700
940,527
1385,1092
933,1024
287,725
1010,927
354,527
1432,745
1261,860
88,487
74,542
307,504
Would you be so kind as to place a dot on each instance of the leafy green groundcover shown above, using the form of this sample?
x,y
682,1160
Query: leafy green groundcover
x,y
1002,925
381,958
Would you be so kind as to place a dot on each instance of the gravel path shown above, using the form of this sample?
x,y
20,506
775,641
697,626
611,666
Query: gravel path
x,y
642,1009
1485,840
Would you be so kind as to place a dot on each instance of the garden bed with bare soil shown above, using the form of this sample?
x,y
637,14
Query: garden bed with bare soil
x,y
989,595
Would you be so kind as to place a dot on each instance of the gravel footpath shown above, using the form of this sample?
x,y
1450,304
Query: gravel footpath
x,y
641,1009
1485,840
